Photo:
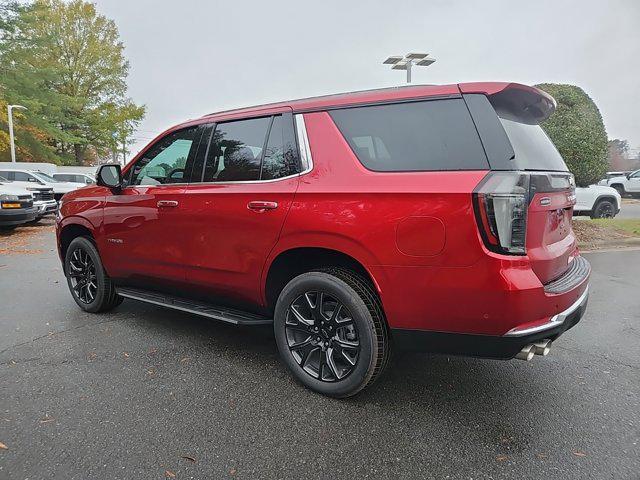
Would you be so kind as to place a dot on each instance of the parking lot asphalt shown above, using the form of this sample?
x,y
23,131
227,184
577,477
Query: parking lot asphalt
x,y
148,393
630,208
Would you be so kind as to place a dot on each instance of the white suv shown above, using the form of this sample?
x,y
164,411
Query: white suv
x,y
40,178
628,184
597,201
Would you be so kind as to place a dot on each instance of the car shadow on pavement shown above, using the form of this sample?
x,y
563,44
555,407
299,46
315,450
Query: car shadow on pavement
x,y
440,385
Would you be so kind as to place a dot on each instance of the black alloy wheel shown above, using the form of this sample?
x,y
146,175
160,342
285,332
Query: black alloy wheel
x,y
331,331
322,336
82,275
89,284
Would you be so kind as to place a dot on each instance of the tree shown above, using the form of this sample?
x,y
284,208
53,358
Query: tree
x,y
66,64
577,130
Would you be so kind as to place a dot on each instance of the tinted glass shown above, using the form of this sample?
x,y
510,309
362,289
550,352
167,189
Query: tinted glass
x,y
63,177
166,161
533,149
44,177
280,159
416,136
235,151
22,177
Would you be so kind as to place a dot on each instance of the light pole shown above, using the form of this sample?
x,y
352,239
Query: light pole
x,y
409,60
11,139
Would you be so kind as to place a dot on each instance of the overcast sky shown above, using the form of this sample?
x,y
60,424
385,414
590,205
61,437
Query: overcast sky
x,y
189,57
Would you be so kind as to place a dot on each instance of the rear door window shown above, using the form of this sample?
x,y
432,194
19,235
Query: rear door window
x,y
415,136
235,151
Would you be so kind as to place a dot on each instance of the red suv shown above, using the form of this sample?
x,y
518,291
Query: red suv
x,y
424,217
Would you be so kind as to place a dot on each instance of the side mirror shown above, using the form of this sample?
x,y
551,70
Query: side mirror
x,y
109,176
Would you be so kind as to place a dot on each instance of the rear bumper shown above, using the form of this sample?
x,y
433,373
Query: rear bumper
x,y
489,346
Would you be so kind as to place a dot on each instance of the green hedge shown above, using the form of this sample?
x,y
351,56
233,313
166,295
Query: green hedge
x,y
578,132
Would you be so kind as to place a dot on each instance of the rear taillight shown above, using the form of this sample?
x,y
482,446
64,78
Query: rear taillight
x,y
501,202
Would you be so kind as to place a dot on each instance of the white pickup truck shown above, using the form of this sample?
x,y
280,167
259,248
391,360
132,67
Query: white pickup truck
x,y
597,201
628,184
40,178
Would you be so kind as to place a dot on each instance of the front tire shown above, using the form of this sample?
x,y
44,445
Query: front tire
x,y
89,284
331,332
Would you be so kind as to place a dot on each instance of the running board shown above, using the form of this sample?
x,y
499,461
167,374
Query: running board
x,y
225,314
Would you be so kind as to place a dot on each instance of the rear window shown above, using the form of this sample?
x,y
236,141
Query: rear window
x,y
532,147
415,136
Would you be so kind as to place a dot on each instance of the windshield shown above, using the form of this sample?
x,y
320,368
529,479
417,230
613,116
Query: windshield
x,y
44,177
533,149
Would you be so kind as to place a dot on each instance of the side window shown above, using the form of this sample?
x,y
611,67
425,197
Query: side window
x,y
235,151
280,156
166,161
414,136
11,176
22,177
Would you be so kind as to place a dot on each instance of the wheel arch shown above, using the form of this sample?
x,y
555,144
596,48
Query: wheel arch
x,y
290,262
73,227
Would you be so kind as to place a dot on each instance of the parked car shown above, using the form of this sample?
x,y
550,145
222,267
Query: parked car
x,y
628,184
597,202
41,178
43,199
610,175
74,178
16,207
426,217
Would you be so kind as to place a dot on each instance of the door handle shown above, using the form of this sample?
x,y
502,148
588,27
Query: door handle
x,y
261,206
167,203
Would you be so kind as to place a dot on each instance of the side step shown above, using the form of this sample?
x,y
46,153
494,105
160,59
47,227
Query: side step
x,y
225,314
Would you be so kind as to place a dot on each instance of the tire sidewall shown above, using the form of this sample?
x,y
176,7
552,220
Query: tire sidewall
x,y
319,281
596,210
88,246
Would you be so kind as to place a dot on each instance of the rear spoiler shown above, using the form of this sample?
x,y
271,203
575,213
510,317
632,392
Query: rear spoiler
x,y
515,101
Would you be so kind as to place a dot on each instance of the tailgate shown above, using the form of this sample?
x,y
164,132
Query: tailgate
x,y
551,243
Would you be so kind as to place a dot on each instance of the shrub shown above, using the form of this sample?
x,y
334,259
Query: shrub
x,y
578,132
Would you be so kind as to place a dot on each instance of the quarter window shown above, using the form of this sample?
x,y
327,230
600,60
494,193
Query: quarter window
x,y
280,156
166,161
413,136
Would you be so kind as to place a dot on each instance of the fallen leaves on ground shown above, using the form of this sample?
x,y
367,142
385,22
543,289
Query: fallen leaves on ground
x,y
579,454
47,419
187,457
501,458
169,474
3,446
18,241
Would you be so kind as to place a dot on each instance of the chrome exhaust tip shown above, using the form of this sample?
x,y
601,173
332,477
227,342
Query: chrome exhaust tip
x,y
542,347
526,353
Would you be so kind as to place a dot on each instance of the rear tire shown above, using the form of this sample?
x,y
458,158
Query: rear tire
x,y
89,284
604,209
331,332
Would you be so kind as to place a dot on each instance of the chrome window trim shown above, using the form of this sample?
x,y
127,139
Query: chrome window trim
x,y
304,150
306,160
553,321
